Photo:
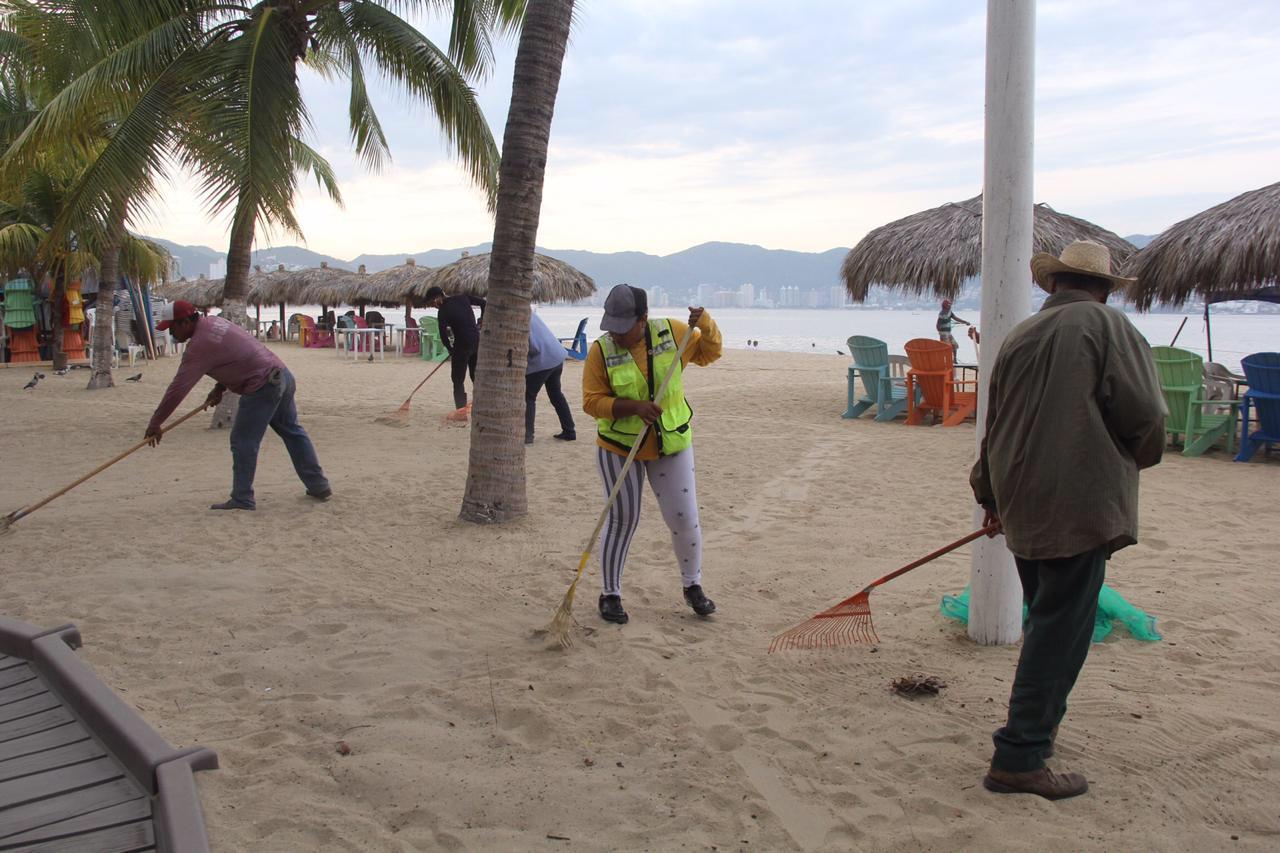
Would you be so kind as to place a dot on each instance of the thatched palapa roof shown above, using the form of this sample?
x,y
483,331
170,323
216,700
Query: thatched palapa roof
x,y
395,285
934,251
1230,249
323,285
553,280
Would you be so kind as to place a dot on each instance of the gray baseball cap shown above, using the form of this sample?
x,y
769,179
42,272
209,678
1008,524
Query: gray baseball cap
x,y
623,307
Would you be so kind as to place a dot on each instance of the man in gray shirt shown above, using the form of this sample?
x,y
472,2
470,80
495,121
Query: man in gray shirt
x,y
1074,412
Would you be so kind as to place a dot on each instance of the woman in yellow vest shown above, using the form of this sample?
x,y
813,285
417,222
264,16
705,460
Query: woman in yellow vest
x,y
624,368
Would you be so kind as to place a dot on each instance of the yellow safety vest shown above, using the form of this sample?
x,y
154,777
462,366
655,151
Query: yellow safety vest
x,y
628,382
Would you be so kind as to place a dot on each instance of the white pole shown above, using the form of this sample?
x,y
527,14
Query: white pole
x,y
995,606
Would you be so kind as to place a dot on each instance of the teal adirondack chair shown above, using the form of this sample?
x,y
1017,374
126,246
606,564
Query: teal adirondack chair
x,y
1182,382
431,347
883,380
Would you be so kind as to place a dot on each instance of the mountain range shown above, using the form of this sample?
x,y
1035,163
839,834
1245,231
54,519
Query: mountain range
x,y
724,264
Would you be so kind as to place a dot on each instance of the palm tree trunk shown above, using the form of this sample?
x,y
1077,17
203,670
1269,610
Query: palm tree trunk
x,y
104,315
495,472
234,289
57,297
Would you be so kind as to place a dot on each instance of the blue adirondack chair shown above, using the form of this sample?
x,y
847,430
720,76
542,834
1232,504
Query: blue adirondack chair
x,y
883,380
576,347
1262,369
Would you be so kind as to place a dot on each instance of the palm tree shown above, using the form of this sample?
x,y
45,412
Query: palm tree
x,y
215,82
495,473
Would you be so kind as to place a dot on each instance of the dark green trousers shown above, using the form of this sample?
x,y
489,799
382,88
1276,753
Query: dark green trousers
x,y
1062,601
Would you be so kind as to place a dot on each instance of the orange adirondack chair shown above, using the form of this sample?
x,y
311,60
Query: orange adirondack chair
x,y
933,372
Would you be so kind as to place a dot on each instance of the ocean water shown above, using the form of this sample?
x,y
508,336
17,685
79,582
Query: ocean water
x,y
825,331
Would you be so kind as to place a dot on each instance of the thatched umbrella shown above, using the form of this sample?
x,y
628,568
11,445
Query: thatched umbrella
x,y
936,250
1230,251
323,285
553,281
395,285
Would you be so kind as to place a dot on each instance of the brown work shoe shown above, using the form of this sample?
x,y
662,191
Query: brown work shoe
x,y
1043,783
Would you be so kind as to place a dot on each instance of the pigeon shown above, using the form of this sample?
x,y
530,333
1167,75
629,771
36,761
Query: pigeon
x,y
839,352
370,356
62,372
34,381
137,377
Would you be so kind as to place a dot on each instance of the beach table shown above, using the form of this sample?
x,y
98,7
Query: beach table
x,y
372,342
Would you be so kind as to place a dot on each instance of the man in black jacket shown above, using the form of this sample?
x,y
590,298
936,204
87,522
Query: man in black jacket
x,y
456,319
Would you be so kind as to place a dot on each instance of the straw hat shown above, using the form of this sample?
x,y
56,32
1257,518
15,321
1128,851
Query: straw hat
x,y
1084,257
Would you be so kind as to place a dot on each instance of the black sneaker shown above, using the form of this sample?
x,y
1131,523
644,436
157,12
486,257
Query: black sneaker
x,y
322,495
611,609
697,599
566,436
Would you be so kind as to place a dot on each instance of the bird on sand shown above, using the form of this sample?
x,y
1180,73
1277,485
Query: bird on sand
x,y
34,381
137,377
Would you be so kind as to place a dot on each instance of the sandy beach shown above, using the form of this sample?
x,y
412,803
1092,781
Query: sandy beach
x,y
381,620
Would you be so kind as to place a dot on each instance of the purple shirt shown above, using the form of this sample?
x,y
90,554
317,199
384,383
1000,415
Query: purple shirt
x,y
223,350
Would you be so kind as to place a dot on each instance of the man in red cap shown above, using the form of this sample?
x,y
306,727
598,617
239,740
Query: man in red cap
x,y
945,322
226,352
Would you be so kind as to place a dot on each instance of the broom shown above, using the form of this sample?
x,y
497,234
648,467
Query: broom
x,y
849,622
17,514
560,623
400,417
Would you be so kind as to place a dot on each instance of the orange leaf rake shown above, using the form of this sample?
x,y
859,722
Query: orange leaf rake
x,y
849,622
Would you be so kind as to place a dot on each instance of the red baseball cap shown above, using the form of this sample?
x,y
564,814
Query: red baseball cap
x,y
179,310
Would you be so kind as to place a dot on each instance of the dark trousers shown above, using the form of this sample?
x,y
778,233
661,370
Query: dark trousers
x,y
533,383
464,362
271,406
1062,600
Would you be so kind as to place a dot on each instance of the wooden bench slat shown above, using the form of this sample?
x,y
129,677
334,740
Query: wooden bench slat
x,y
66,806
21,690
37,786
41,741
126,838
26,707
16,674
50,759
34,723
127,812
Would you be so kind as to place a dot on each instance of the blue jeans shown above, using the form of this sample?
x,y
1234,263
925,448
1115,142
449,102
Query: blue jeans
x,y
271,405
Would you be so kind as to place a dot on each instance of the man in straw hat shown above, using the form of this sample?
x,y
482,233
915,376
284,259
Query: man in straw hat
x,y
237,361
1075,411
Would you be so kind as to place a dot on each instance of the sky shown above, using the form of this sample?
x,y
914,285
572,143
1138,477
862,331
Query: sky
x,y
804,125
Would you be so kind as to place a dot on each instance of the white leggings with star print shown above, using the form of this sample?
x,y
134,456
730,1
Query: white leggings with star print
x,y
671,479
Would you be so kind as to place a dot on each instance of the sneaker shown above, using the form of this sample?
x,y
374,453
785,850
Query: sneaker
x,y
566,436
322,495
232,505
1043,783
611,609
697,599
528,439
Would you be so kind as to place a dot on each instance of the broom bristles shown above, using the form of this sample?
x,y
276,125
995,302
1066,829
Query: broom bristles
x,y
847,623
563,619
398,418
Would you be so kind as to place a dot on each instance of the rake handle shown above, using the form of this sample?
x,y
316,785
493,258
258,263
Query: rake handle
x,y
945,549
424,382
25,511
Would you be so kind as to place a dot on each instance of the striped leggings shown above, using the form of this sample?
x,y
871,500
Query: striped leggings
x,y
672,481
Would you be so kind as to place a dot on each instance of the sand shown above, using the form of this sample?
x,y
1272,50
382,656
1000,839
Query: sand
x,y
381,620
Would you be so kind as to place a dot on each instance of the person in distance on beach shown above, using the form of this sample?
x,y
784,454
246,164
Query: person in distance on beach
x,y
457,319
623,370
544,368
241,363
1075,412
946,321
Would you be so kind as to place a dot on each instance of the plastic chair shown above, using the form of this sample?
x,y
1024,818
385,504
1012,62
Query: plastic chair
x,y
576,346
432,346
1182,384
932,373
411,337
883,376
1262,369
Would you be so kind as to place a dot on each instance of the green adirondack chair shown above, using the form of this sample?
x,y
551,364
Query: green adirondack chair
x,y
431,347
1182,382
883,379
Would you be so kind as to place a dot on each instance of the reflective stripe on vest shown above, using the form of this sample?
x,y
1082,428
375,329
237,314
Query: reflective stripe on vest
x,y
629,383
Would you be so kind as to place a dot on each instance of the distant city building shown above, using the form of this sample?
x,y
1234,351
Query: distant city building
x,y
839,296
746,295
218,269
705,294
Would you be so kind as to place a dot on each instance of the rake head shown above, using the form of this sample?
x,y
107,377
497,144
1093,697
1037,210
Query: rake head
x,y
847,623
6,523
562,621
398,418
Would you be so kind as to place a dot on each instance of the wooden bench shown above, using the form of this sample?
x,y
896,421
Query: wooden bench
x,y
79,768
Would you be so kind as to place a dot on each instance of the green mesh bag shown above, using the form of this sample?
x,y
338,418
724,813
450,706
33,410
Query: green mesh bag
x,y
1112,608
